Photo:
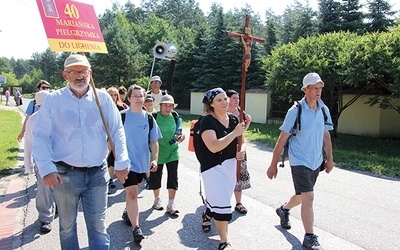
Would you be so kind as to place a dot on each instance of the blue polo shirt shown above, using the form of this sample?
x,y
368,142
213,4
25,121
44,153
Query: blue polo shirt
x,y
305,149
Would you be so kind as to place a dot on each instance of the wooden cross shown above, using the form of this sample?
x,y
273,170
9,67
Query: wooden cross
x,y
247,40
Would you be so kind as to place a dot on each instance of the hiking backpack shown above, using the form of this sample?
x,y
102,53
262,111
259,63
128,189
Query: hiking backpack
x,y
293,132
196,143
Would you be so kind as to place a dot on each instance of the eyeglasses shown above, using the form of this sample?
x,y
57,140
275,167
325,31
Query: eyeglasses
x,y
137,96
44,87
74,73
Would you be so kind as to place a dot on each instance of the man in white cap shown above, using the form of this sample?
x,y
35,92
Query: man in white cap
x,y
156,92
70,150
305,154
44,197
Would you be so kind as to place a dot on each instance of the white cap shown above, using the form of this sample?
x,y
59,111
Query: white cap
x,y
155,78
39,97
310,79
76,59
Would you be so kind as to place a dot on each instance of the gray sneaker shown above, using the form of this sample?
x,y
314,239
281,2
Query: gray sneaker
x,y
157,204
284,215
137,234
311,243
172,209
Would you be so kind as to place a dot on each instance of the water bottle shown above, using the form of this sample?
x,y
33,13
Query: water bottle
x,y
178,131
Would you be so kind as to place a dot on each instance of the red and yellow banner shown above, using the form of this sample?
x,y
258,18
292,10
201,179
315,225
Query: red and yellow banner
x,y
71,26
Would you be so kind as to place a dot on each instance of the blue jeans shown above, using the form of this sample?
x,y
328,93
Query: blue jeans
x,y
91,188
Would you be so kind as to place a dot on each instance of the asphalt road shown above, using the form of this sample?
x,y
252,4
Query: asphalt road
x,y
352,211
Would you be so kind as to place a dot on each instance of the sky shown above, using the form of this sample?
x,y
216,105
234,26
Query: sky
x,y
22,32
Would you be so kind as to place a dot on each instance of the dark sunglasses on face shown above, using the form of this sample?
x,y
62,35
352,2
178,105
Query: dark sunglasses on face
x,y
44,87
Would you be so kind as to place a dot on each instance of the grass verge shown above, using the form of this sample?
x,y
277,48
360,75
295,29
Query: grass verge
x,y
10,126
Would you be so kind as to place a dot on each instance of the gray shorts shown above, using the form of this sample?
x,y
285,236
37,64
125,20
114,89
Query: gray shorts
x,y
304,178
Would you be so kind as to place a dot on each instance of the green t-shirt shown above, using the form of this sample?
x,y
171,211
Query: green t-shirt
x,y
167,152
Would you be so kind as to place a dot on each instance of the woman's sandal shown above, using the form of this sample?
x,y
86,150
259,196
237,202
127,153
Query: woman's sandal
x,y
224,246
240,208
206,223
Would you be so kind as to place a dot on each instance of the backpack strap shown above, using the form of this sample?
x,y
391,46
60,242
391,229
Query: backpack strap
x,y
34,104
297,122
176,116
326,118
123,115
150,120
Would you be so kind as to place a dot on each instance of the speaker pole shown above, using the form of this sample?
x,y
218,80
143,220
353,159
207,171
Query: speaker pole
x,y
151,72
170,74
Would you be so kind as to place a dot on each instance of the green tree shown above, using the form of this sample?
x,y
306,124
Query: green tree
x,y
329,16
124,62
5,66
20,67
50,65
347,62
380,16
352,17
29,81
11,79
298,21
271,29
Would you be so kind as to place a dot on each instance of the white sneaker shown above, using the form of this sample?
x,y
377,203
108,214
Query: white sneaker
x,y
157,204
171,209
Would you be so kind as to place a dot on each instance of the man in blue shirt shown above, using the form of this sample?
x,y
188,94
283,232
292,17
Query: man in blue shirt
x,y
70,150
305,154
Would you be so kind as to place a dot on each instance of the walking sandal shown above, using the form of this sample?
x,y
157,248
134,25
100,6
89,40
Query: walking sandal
x,y
240,208
206,222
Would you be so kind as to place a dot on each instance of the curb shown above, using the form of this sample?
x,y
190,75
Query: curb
x,y
13,202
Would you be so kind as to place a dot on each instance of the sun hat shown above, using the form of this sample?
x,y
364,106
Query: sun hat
x,y
310,79
76,59
168,99
155,78
39,97
149,97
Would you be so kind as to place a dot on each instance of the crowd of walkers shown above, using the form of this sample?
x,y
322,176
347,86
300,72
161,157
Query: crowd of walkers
x,y
78,153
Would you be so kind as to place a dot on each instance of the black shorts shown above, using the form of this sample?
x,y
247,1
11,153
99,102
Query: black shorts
x,y
304,178
133,179
172,177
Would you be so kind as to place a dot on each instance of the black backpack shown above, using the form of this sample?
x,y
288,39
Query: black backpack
x,y
295,129
198,142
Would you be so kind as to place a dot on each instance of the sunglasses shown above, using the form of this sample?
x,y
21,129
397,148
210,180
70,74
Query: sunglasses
x,y
44,87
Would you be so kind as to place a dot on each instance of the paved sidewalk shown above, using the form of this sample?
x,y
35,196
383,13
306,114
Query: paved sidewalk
x,y
12,195
353,211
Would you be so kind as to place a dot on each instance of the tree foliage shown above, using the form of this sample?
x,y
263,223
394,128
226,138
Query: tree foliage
x,y
380,16
208,58
347,62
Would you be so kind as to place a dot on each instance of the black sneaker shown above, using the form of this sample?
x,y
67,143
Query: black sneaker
x,y
137,234
311,243
284,215
125,217
45,227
